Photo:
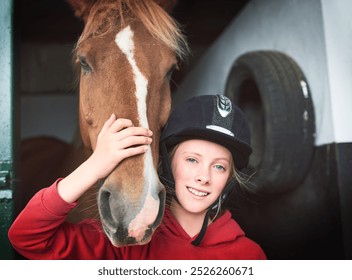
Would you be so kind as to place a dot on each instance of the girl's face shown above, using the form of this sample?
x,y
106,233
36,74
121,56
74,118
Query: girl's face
x,y
201,170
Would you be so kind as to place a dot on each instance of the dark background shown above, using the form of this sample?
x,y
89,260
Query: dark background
x,y
43,21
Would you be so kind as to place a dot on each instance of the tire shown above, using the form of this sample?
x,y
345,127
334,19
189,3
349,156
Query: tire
x,y
273,92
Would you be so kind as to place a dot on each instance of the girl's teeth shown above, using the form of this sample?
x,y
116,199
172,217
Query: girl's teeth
x,y
197,193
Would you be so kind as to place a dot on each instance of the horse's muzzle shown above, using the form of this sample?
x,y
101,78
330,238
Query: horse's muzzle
x,y
127,223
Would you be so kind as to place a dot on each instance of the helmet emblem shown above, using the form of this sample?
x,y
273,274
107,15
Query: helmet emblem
x,y
224,105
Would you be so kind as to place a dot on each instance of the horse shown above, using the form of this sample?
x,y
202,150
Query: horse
x,y
126,55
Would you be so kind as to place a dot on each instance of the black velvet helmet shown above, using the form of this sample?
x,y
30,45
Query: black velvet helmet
x,y
214,118
208,117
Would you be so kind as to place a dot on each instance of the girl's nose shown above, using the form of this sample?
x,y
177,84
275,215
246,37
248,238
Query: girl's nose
x,y
203,177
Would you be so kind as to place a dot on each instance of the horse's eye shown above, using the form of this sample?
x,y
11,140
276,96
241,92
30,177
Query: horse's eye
x,y
171,71
84,65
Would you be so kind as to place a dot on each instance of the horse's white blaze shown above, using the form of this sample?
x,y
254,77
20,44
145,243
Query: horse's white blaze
x,y
150,209
149,212
124,40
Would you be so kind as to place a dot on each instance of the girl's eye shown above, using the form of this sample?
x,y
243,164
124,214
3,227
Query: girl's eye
x,y
219,167
191,160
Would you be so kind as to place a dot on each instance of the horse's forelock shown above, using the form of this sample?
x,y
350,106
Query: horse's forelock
x,y
160,24
155,19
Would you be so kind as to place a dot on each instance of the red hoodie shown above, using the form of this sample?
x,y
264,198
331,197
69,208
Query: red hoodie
x,y
40,232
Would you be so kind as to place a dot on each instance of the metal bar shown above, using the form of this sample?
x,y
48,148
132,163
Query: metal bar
x,y
6,128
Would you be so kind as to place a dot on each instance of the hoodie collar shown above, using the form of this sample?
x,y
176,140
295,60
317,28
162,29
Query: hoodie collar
x,y
224,229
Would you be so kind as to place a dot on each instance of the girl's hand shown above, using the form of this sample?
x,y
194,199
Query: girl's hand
x,y
118,140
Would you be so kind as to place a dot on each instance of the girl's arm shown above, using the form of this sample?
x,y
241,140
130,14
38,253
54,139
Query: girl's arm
x,y
40,231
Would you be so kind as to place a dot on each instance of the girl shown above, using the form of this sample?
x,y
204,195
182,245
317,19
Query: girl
x,y
204,143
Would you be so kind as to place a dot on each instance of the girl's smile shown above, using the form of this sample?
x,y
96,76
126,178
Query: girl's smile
x,y
197,193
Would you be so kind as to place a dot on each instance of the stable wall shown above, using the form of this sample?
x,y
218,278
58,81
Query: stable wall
x,y
315,33
48,91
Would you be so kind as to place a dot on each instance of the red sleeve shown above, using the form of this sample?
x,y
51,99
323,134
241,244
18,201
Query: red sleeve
x,y
40,231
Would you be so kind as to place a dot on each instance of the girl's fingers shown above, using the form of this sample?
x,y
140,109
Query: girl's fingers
x,y
125,127
120,124
108,123
133,131
134,151
119,138
134,141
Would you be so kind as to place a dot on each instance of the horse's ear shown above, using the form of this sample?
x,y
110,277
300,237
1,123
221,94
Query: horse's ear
x,y
81,8
167,5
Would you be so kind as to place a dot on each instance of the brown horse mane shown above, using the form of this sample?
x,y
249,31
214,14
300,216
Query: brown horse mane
x,y
114,14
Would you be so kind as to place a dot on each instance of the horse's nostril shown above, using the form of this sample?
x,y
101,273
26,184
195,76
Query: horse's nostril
x,y
105,209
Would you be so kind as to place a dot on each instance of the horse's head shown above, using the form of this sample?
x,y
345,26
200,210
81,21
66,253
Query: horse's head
x,y
127,52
